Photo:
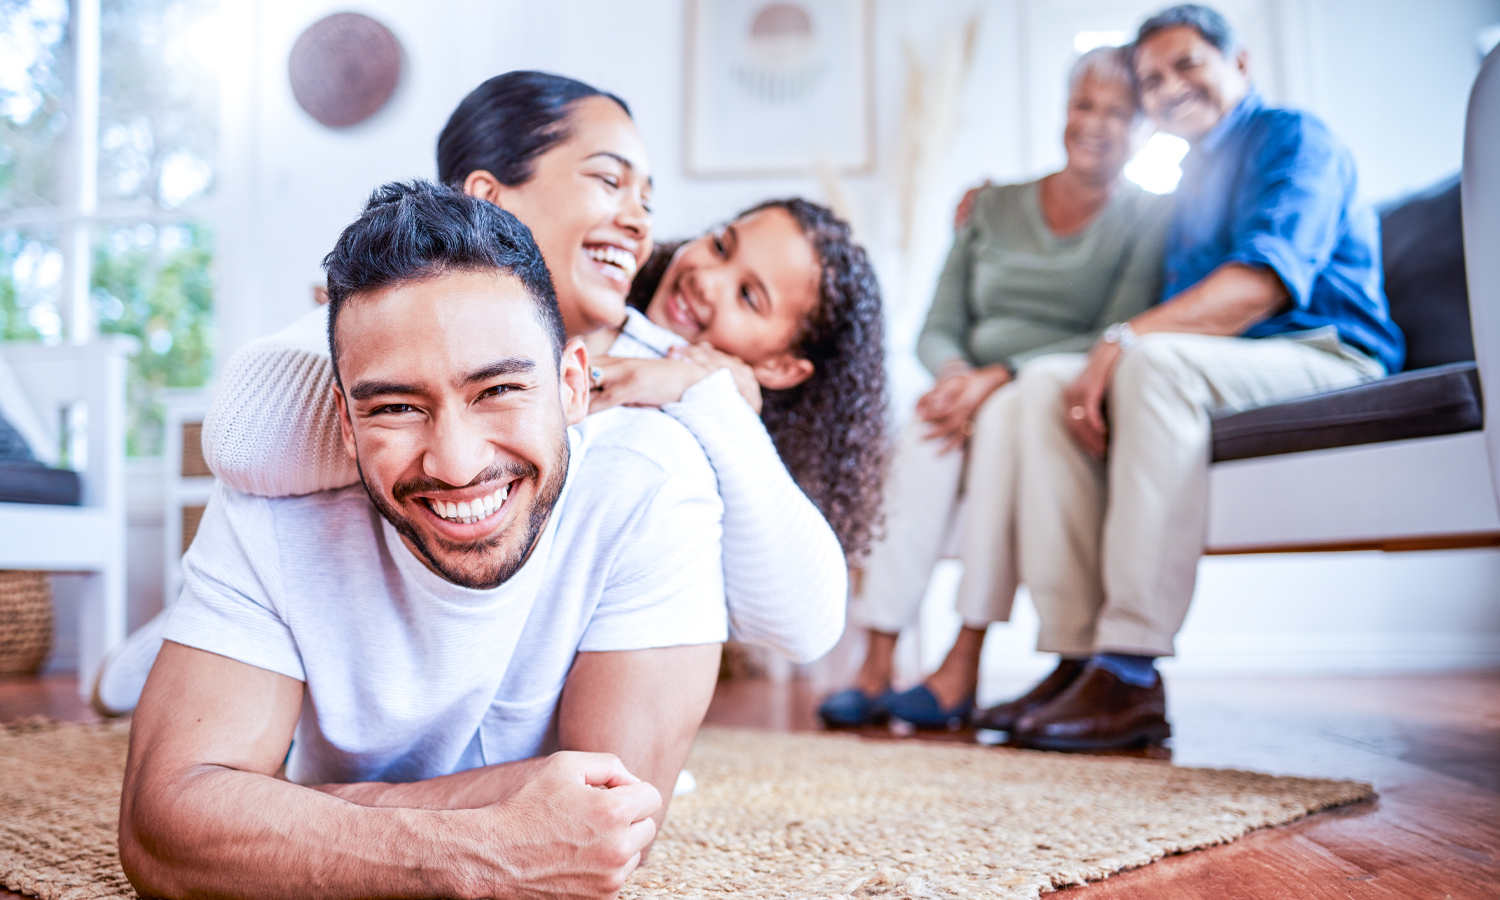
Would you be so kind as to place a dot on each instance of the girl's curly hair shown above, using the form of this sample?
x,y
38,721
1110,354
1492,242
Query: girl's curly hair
x,y
830,429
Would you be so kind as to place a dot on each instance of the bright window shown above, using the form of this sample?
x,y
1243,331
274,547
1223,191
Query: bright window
x,y
108,150
1157,166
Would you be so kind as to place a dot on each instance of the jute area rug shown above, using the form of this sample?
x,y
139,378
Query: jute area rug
x,y
775,816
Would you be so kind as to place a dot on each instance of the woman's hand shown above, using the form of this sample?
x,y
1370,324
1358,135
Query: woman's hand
x,y
951,404
1083,401
713,359
642,382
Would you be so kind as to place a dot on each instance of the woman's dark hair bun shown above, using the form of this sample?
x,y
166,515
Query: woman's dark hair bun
x,y
506,123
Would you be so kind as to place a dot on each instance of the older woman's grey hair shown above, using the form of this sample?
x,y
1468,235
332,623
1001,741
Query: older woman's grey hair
x,y
1105,64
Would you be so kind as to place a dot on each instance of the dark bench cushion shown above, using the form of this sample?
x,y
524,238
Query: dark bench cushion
x,y
31,482
1424,403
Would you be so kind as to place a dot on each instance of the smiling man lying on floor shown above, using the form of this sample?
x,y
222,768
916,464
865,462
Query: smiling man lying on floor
x,y
499,587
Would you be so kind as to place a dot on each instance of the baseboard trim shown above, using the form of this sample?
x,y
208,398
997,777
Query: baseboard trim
x,y
1334,654
1388,545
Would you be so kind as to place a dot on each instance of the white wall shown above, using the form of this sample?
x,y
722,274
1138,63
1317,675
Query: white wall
x,y
1390,76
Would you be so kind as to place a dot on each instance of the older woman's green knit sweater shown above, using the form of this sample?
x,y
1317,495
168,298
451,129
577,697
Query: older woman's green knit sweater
x,y
1012,290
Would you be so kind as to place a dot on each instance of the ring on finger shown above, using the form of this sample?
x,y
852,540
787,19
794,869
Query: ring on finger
x,y
1078,412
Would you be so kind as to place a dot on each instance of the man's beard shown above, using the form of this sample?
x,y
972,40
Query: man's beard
x,y
494,574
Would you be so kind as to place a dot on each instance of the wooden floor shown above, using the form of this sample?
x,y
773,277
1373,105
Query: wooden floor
x,y
1429,744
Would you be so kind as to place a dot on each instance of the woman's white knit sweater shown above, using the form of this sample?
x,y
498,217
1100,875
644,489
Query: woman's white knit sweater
x,y
273,431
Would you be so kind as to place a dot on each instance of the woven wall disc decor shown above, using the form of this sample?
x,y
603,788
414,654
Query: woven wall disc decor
x,y
344,68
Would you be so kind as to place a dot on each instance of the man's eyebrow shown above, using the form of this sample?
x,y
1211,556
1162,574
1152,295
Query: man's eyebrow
x,y
511,365
365,390
624,162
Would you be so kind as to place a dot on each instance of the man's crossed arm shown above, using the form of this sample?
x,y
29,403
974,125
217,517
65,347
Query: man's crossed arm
x,y
203,813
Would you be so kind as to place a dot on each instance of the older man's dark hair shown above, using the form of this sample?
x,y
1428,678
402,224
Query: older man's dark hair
x,y
1208,22
415,230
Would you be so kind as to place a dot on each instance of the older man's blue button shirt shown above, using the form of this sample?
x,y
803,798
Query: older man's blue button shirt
x,y
1273,187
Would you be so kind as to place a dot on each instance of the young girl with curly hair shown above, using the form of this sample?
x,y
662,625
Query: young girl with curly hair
x,y
805,354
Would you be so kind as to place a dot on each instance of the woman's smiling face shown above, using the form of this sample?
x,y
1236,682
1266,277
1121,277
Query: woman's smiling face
x,y
1100,127
747,289
587,203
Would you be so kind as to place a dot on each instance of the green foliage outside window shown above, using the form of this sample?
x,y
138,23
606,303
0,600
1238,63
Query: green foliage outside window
x,y
156,284
14,323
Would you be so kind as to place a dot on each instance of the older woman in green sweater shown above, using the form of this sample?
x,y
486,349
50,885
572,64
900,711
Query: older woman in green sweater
x,y
1037,268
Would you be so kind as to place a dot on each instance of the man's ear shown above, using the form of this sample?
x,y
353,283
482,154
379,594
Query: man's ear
x,y
1241,64
346,427
782,371
573,381
485,186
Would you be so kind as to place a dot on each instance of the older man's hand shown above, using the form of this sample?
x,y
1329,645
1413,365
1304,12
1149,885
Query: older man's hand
x,y
1083,401
965,206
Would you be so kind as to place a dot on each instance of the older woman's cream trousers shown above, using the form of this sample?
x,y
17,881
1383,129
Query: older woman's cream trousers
x,y
926,519
1110,549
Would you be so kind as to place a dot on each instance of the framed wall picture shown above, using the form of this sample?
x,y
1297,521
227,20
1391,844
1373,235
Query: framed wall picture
x,y
778,87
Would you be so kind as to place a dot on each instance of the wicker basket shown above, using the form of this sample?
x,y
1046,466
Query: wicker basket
x,y
25,621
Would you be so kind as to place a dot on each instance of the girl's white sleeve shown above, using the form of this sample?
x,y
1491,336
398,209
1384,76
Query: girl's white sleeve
x,y
273,429
785,575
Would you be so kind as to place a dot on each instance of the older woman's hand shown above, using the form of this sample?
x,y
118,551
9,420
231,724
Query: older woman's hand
x,y
951,404
642,382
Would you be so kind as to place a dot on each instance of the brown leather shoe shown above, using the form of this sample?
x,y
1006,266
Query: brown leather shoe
x,y
1097,712
1004,716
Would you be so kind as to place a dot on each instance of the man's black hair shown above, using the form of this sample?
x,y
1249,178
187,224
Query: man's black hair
x,y
410,231
506,123
1209,23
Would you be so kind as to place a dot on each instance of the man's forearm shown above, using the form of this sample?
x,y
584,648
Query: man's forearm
x,y
470,789
1226,302
644,706
223,832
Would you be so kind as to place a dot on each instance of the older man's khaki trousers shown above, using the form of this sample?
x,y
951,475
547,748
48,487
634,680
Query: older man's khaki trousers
x,y
926,519
1110,549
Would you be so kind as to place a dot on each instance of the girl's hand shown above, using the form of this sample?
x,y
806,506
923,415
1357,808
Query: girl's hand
x,y
713,359
642,382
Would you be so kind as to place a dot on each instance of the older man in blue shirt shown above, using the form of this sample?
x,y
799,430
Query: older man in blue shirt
x,y
1272,290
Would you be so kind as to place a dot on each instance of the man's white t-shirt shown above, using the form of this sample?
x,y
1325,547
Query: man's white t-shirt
x,y
409,676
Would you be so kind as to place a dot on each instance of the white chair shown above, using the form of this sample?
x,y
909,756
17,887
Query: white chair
x,y
90,538
1418,494
1481,198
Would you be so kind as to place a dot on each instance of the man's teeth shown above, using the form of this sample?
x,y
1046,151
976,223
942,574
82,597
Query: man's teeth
x,y
471,511
615,257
